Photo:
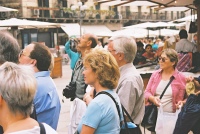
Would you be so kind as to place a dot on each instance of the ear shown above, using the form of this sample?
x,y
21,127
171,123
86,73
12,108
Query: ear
x,y
89,43
173,63
34,62
121,56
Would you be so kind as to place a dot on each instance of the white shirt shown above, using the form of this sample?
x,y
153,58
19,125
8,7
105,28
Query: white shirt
x,y
36,130
166,100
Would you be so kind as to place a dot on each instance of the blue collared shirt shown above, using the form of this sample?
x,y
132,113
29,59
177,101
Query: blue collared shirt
x,y
46,100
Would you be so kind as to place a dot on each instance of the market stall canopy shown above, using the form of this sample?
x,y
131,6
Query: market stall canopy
x,y
151,25
187,18
72,29
134,3
6,9
98,30
136,32
22,23
140,3
161,3
167,32
175,9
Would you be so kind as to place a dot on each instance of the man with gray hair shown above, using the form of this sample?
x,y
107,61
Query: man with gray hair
x,y
130,87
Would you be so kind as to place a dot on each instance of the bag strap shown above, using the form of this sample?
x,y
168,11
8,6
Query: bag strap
x,y
129,117
42,129
171,79
117,105
80,64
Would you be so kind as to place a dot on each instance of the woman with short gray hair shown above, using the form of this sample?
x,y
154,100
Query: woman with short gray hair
x,y
17,91
175,92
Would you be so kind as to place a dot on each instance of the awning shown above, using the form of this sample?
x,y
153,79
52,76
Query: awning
x,y
6,9
135,32
175,9
98,30
22,23
188,18
72,29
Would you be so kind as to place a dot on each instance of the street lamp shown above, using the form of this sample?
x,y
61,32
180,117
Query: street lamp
x,y
80,14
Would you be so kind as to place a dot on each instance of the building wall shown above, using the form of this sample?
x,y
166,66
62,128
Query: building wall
x,y
28,12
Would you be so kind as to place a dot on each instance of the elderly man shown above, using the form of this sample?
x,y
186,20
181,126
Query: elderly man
x,y
184,45
46,100
130,87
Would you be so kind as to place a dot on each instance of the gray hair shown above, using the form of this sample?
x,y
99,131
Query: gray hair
x,y
18,87
126,45
9,48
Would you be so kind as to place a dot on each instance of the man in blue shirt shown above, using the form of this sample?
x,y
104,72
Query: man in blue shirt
x,y
46,99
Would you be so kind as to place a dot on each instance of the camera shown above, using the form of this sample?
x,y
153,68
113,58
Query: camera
x,y
69,90
73,43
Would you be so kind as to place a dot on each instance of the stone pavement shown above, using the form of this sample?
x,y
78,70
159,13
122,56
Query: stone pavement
x,y
65,107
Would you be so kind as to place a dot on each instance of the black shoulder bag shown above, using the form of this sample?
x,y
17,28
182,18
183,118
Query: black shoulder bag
x,y
151,112
125,130
70,89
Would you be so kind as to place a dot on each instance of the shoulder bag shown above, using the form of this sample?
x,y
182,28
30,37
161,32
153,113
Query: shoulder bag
x,y
70,89
124,130
151,112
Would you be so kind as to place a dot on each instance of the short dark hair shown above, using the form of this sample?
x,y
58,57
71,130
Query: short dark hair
x,y
148,45
139,44
43,56
183,34
9,48
94,41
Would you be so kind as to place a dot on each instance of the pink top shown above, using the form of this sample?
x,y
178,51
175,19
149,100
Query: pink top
x,y
178,86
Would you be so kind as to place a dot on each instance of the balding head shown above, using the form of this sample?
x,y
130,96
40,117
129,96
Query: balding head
x,y
88,41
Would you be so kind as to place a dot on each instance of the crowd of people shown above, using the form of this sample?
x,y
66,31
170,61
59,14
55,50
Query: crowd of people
x,y
26,86
130,87
152,48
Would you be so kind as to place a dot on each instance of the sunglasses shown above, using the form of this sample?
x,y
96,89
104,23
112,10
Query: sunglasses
x,y
162,58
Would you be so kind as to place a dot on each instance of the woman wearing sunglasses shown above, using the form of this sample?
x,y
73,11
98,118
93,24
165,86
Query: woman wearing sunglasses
x,y
175,92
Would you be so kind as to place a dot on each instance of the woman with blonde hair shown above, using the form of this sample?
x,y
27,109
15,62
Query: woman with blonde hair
x,y
101,71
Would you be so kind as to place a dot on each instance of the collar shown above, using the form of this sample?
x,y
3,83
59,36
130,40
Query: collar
x,y
174,74
125,66
42,74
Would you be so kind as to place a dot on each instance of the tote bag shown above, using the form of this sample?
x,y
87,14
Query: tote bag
x,y
166,121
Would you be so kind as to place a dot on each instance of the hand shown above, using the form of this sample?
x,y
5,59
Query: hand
x,y
156,101
189,78
180,104
87,98
197,93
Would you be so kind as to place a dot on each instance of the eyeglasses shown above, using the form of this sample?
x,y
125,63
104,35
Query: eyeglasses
x,y
162,58
111,51
21,53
